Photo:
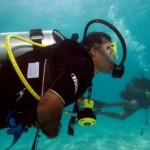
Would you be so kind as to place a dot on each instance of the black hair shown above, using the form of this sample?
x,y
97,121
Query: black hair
x,y
94,38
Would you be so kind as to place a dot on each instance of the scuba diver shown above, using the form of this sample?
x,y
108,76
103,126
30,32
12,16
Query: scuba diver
x,y
60,73
136,95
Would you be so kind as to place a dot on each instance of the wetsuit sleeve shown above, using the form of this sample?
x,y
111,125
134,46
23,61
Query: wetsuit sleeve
x,y
73,80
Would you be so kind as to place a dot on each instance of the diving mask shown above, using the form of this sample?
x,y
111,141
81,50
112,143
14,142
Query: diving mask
x,y
111,50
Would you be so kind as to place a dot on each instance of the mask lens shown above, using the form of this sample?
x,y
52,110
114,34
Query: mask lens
x,y
111,49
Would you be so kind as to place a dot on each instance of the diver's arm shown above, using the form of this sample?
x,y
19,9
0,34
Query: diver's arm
x,y
133,104
49,111
120,116
100,104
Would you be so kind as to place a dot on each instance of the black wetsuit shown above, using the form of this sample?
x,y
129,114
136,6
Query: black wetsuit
x,y
65,67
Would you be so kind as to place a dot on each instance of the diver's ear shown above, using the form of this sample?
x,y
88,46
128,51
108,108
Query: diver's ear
x,y
92,52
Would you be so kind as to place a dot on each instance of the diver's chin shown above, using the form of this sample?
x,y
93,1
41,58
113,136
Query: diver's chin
x,y
110,70
107,72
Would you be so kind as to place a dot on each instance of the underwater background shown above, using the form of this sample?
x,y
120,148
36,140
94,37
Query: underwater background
x,y
132,18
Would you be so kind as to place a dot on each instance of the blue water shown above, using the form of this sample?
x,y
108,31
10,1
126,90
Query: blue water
x,y
132,18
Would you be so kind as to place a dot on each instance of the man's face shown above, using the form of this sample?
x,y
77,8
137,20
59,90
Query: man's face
x,y
105,57
110,49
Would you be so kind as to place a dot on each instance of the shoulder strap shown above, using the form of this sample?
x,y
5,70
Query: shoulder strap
x,y
37,36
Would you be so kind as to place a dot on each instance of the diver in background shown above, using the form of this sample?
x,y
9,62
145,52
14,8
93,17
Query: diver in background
x,y
67,68
136,95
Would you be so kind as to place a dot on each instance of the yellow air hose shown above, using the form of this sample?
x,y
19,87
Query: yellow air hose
x,y
15,65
